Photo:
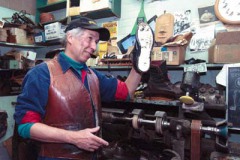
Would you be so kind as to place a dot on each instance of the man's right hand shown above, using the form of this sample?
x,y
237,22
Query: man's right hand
x,y
87,140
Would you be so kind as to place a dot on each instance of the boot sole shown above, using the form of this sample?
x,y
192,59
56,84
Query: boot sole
x,y
145,40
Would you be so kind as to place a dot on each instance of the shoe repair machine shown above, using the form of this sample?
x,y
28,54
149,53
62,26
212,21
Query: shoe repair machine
x,y
186,127
190,139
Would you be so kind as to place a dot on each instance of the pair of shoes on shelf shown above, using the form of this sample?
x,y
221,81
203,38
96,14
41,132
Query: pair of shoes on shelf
x,y
141,54
194,61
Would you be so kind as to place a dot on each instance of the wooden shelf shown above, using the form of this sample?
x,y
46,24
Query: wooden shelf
x,y
53,6
106,67
180,67
14,45
209,66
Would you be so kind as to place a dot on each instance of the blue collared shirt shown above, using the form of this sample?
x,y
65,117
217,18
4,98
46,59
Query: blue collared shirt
x,y
36,83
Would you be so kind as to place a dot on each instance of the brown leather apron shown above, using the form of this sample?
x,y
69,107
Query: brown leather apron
x,y
70,106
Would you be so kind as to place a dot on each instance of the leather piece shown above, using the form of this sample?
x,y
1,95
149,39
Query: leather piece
x,y
195,140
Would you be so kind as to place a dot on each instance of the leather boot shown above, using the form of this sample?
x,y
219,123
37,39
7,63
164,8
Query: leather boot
x,y
159,84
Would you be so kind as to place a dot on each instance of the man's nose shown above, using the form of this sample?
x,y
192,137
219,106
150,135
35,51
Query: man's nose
x,y
94,45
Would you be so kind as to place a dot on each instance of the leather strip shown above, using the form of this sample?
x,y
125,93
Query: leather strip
x,y
195,139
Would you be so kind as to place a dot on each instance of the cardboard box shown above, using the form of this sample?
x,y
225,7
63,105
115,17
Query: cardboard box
x,y
174,55
225,48
54,31
89,5
73,11
224,53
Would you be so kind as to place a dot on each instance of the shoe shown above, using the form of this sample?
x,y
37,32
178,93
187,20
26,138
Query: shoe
x,y
120,150
141,54
126,151
108,152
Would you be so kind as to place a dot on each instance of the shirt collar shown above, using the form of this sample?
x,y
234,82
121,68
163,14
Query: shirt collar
x,y
65,64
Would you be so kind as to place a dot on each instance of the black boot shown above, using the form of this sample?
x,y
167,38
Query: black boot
x,y
141,54
159,84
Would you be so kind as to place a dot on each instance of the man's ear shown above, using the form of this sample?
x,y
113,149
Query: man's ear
x,y
69,38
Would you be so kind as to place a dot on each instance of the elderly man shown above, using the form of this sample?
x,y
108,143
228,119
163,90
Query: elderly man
x,y
60,104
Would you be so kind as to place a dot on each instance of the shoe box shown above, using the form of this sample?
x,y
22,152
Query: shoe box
x,y
54,31
174,55
225,48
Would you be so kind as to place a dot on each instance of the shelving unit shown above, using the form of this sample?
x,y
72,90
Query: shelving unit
x,y
42,6
114,11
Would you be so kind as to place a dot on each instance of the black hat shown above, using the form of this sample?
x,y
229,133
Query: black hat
x,y
90,24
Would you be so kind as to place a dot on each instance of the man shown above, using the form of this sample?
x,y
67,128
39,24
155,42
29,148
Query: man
x,y
60,104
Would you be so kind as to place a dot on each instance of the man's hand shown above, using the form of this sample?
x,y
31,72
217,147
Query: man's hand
x,y
85,139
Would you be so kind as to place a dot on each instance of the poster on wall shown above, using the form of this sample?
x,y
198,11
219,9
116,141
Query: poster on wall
x,y
182,21
202,38
112,27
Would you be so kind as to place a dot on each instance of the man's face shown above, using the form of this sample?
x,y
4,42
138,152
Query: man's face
x,y
83,46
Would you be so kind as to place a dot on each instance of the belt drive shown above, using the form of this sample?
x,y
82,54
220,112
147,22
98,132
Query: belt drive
x,y
195,139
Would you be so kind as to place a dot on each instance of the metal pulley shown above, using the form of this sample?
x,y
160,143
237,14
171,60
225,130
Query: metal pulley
x,y
136,119
160,119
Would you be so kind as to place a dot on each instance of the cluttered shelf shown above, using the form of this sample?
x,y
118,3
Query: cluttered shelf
x,y
14,45
178,67
166,105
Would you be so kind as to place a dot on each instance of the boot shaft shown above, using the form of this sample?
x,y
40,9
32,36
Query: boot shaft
x,y
159,83
158,72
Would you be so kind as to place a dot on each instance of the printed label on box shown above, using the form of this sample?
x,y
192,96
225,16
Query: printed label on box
x,y
162,55
38,39
54,31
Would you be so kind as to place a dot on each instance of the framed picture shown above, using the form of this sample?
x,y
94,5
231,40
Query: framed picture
x,y
207,14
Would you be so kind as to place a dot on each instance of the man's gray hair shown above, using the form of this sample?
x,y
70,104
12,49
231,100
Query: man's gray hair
x,y
74,32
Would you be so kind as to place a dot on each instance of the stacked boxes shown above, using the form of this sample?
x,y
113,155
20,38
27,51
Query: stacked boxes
x,y
226,48
17,35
